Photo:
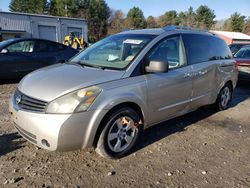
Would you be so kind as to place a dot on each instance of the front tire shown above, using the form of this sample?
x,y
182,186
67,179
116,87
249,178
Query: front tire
x,y
224,98
121,132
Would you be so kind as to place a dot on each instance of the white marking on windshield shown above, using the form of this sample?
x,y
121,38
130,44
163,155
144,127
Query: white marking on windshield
x,y
132,41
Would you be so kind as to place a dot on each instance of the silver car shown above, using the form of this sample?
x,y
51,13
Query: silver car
x,y
106,95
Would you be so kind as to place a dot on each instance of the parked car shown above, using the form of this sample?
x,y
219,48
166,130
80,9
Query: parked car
x,y
18,57
122,85
242,58
236,47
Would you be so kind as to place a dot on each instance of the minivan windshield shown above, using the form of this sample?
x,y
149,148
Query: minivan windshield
x,y
114,52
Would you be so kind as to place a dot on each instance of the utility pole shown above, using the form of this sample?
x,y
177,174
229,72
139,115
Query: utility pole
x,y
66,10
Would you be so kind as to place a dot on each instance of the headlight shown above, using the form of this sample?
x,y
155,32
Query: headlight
x,y
77,101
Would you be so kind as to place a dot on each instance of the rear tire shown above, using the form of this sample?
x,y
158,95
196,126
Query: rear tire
x,y
120,134
224,98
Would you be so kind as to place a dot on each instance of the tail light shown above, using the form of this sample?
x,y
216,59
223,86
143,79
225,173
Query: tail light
x,y
236,65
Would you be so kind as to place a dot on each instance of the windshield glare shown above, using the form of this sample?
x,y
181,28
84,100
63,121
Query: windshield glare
x,y
114,52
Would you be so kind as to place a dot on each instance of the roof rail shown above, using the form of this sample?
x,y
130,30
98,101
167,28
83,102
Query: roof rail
x,y
127,29
176,27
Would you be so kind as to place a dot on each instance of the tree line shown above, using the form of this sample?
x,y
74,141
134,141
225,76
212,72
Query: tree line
x,y
103,21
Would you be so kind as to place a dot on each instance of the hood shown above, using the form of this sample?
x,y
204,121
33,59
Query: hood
x,y
243,61
51,82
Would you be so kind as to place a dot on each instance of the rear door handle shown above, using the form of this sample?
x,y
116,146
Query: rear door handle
x,y
187,75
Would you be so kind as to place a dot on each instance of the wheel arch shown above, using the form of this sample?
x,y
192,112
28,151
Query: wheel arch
x,y
228,81
132,105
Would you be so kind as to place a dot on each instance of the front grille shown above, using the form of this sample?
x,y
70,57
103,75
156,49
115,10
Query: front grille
x,y
28,103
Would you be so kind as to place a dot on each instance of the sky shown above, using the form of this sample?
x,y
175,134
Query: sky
x,y
223,8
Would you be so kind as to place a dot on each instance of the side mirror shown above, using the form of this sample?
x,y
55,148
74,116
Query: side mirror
x,y
157,66
4,51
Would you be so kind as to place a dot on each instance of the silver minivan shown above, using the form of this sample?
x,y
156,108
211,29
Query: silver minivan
x,y
106,95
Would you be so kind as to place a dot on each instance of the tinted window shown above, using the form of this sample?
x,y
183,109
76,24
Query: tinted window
x,y
247,53
169,50
243,53
240,53
234,47
42,46
202,48
46,46
23,46
56,47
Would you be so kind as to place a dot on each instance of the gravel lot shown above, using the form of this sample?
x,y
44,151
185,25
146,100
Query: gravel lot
x,y
205,148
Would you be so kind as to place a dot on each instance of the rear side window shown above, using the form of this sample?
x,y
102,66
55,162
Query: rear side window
x,y
23,46
56,47
202,48
46,46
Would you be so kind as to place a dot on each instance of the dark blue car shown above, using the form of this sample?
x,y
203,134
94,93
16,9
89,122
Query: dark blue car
x,y
18,57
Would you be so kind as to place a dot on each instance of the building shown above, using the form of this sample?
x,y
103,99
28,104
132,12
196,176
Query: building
x,y
16,25
233,37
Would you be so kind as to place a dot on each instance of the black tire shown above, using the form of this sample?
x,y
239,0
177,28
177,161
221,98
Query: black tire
x,y
222,103
104,145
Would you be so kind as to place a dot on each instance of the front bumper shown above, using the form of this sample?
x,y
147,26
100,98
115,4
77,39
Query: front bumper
x,y
62,132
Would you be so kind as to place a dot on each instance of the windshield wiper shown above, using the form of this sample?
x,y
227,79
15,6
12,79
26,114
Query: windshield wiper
x,y
91,65
77,63
82,64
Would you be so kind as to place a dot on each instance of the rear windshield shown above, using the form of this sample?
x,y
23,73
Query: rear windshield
x,y
114,52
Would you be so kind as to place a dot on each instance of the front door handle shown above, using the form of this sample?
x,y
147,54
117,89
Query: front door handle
x,y
202,72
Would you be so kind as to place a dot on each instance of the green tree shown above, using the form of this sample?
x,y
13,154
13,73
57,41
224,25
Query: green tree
x,y
237,22
116,23
28,6
62,7
169,18
227,25
151,23
190,17
182,19
82,10
97,13
204,17
135,19
246,28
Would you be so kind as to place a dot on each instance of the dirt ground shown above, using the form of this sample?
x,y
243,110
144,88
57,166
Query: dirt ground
x,y
205,148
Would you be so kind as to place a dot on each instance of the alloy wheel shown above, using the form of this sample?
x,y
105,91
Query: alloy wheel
x,y
121,134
